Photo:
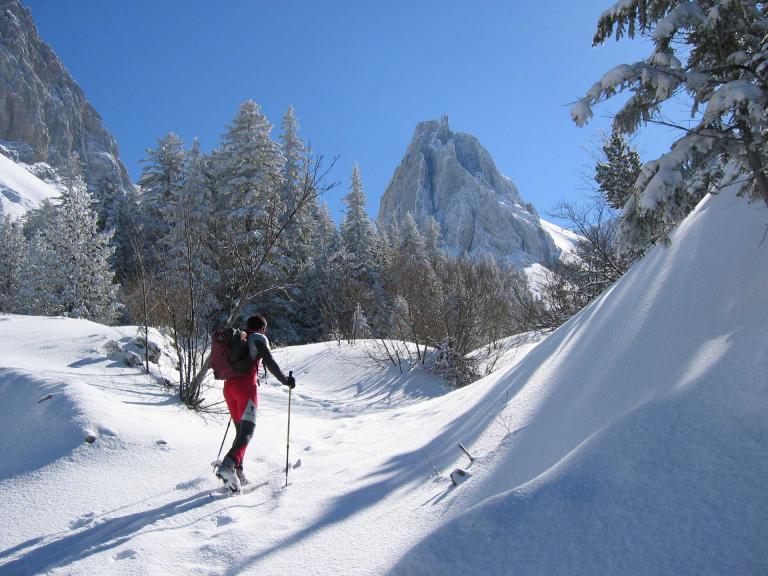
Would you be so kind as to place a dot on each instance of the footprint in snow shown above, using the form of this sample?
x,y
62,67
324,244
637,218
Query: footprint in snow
x,y
126,555
84,520
223,521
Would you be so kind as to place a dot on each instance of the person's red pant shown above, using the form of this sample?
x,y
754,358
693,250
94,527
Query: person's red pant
x,y
241,396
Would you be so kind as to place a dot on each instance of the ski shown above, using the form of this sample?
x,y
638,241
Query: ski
x,y
224,491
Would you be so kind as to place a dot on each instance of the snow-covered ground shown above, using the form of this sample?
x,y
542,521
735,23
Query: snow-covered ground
x,y
565,239
20,190
630,441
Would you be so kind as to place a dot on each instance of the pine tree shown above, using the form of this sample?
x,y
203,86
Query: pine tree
x,y
411,279
67,270
328,237
617,171
187,218
188,276
88,290
301,235
40,281
432,234
127,229
296,319
356,228
715,52
248,205
108,198
412,244
161,180
13,249
250,175
39,218
360,327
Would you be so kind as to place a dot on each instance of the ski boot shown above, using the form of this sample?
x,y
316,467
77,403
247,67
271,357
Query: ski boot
x,y
227,472
241,475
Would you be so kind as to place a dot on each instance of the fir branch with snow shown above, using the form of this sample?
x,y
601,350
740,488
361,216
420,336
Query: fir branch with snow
x,y
715,53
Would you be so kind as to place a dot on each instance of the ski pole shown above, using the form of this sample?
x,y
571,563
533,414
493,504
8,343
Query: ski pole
x,y
218,457
288,438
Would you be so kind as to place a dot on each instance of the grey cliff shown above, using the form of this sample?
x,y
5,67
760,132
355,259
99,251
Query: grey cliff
x,y
43,107
450,176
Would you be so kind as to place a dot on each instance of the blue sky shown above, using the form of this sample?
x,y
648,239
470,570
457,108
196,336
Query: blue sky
x,y
360,75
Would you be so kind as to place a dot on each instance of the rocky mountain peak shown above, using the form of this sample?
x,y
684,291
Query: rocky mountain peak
x,y
42,107
450,176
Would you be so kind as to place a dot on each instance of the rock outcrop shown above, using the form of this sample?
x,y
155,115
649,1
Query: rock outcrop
x,y
450,176
43,107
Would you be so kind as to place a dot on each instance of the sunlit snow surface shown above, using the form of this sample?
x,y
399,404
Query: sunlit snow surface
x,y
20,190
630,441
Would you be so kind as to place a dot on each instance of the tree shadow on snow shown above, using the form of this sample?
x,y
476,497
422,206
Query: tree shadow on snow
x,y
411,468
46,553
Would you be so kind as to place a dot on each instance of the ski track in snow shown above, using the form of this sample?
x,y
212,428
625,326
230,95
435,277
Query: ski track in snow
x,y
146,445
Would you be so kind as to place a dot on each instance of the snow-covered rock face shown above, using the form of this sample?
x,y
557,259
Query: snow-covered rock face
x,y
43,107
21,189
451,177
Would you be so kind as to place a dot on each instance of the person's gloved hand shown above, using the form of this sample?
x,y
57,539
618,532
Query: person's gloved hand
x,y
290,382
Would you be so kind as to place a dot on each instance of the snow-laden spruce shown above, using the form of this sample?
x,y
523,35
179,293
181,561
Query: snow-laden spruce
x,y
64,267
715,52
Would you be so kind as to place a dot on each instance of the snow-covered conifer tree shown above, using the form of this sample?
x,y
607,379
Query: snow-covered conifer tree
x,y
617,170
186,255
296,319
327,233
412,244
360,327
248,206
412,279
431,234
302,230
161,180
358,271
356,228
188,276
716,53
68,270
39,218
13,249
40,282
250,174
108,199
88,290
127,226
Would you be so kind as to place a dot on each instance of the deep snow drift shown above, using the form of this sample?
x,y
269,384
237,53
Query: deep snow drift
x,y
642,425
630,441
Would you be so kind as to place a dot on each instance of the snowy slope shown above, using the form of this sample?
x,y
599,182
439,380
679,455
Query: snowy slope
x,y
564,239
630,441
20,190
137,499
641,426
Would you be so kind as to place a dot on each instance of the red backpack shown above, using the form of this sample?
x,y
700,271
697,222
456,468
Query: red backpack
x,y
229,354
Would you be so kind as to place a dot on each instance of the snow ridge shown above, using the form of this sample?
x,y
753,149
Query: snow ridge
x,y
640,423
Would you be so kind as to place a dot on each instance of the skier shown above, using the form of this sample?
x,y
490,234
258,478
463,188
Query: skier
x,y
242,400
